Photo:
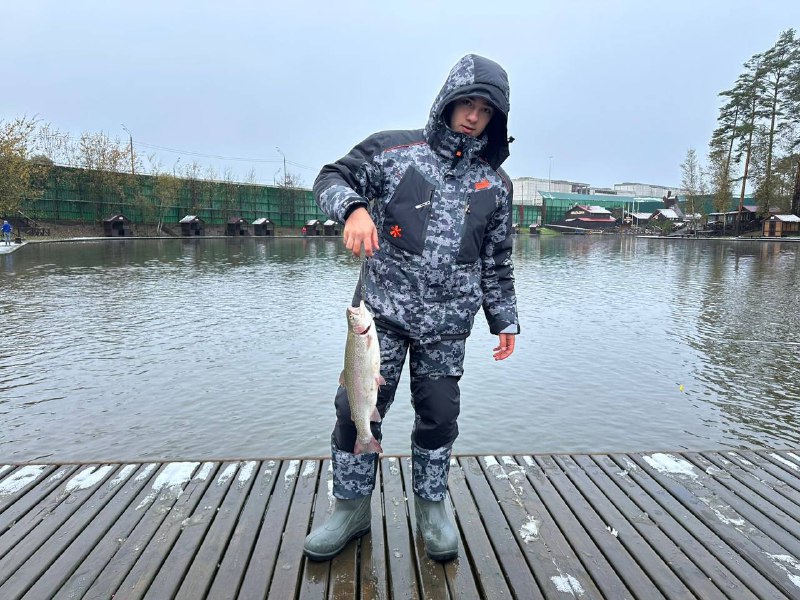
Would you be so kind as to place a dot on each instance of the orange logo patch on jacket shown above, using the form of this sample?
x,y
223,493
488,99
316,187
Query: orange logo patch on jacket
x,y
395,231
482,185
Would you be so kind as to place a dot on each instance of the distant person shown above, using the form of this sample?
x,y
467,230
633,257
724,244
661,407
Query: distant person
x,y
432,209
6,232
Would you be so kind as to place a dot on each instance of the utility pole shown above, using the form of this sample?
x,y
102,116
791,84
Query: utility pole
x,y
549,173
284,165
130,136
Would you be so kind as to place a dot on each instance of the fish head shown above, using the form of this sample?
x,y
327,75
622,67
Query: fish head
x,y
359,319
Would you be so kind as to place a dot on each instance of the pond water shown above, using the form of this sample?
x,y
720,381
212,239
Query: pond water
x,y
231,348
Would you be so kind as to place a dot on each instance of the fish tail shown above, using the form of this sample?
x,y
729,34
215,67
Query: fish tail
x,y
372,445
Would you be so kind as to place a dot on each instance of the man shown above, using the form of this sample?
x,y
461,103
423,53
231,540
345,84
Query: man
x,y
6,232
431,209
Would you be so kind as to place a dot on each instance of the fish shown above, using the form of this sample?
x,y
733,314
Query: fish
x,y
361,376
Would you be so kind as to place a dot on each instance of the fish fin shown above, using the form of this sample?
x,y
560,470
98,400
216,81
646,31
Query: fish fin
x,y
341,379
376,416
371,446
380,380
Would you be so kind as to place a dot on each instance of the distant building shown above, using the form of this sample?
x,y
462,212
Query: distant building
x,y
646,190
528,190
589,217
781,226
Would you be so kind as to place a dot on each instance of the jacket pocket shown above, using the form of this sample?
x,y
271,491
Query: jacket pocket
x,y
479,210
407,212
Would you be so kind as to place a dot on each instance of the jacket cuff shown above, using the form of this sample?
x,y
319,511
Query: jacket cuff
x,y
351,206
498,328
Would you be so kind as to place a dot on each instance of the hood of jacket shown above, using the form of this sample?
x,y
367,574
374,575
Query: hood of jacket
x,y
472,75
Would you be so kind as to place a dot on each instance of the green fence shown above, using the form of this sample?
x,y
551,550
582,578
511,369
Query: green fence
x,y
89,196
83,195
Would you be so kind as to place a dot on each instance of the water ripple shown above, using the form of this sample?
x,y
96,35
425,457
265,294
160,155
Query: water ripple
x,y
213,348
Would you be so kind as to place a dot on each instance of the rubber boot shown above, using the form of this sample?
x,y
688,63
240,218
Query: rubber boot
x,y
350,520
438,532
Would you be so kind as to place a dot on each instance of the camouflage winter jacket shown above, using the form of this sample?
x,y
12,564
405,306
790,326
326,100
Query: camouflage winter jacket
x,y
442,207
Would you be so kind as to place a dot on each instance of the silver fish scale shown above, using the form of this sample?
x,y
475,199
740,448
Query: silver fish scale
x,y
360,377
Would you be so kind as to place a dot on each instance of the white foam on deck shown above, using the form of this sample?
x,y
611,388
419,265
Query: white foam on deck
x,y
567,584
782,460
20,478
122,475
786,562
87,478
227,474
666,463
291,472
247,470
146,472
204,471
529,532
171,481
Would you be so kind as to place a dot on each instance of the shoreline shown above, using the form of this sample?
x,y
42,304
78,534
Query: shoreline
x,y
4,249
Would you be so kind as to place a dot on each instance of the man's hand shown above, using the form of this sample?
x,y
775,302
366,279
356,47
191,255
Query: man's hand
x,y
505,347
359,230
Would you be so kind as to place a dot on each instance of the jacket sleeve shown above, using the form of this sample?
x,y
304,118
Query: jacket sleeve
x,y
497,280
351,181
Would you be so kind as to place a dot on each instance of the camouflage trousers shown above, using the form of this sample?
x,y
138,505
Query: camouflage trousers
x,y
434,371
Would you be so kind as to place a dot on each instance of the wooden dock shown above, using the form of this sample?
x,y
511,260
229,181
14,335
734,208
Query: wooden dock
x,y
647,526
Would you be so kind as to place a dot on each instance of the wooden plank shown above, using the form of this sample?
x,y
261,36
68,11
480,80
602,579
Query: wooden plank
x,y
601,572
314,581
50,566
681,531
237,555
432,581
373,570
61,504
18,481
480,555
775,463
402,572
764,516
204,564
518,574
787,459
687,485
460,572
728,528
666,562
676,500
95,547
765,488
166,565
158,552
21,516
262,563
626,566
174,490
344,568
287,571
766,472
550,557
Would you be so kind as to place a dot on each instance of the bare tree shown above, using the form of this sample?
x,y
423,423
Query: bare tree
x,y
692,184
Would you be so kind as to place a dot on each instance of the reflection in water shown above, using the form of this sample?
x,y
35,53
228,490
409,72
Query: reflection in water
x,y
213,348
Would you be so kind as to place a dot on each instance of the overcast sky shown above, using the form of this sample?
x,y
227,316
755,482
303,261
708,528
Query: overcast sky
x,y
613,91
